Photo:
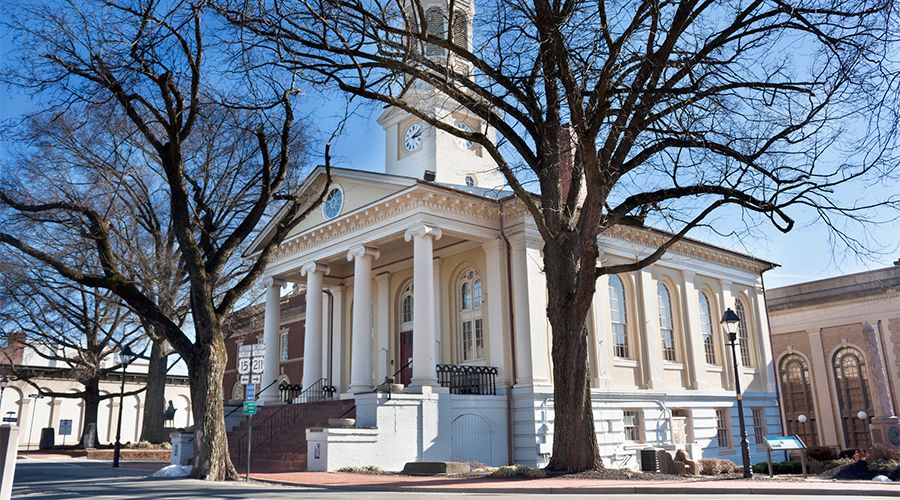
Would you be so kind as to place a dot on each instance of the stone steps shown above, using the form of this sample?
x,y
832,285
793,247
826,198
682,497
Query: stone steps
x,y
286,451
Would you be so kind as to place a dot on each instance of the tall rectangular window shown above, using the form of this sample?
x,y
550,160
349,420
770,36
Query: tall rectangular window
x,y
743,333
706,329
723,428
284,346
759,425
618,317
633,431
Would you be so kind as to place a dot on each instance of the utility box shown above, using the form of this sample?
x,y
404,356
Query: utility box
x,y
182,448
649,460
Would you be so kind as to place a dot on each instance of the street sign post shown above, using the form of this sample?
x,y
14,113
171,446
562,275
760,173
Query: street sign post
x,y
65,429
250,365
249,407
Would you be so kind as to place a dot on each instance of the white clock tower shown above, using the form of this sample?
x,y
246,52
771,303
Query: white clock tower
x,y
413,146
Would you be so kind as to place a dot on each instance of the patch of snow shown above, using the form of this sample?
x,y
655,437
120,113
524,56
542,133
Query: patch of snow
x,y
882,479
173,471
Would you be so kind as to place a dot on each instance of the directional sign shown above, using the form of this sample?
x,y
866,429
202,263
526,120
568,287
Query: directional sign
x,y
245,350
249,407
251,392
245,379
258,350
257,365
243,366
256,378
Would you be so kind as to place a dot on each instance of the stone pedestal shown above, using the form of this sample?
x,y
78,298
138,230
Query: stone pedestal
x,y
9,443
885,432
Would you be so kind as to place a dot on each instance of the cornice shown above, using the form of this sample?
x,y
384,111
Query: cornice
x,y
419,197
785,310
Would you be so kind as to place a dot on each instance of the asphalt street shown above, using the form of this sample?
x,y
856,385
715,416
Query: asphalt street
x,y
67,478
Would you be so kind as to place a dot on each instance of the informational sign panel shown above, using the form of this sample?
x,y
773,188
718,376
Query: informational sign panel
x,y
785,443
251,363
65,427
250,394
249,407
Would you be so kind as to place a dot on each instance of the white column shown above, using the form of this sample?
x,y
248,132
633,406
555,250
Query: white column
x,y
496,307
327,302
271,328
383,329
651,352
312,339
530,306
361,341
763,340
337,329
693,336
603,333
424,372
438,341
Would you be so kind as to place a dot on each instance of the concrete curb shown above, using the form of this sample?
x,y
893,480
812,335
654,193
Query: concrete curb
x,y
852,490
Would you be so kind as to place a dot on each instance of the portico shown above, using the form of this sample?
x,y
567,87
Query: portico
x,y
353,285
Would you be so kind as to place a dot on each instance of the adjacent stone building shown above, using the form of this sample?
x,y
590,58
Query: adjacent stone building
x,y
837,353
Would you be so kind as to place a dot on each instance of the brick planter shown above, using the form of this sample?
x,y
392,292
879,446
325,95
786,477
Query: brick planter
x,y
131,455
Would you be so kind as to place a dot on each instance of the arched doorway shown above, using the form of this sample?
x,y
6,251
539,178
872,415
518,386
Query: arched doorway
x,y
853,396
797,397
406,333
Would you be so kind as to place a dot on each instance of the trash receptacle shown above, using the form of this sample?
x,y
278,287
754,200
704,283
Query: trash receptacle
x,y
182,448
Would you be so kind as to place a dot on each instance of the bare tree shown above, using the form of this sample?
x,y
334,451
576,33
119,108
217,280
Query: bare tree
x,y
618,112
77,329
150,69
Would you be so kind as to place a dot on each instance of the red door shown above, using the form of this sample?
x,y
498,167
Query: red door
x,y
406,352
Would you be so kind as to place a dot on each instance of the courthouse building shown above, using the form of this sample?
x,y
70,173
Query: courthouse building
x,y
837,351
430,273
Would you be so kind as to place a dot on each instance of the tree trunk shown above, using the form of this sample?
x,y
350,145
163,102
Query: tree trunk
x,y
91,401
211,459
155,396
569,297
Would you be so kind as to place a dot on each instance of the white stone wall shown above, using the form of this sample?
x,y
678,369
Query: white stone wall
x,y
533,424
414,427
35,414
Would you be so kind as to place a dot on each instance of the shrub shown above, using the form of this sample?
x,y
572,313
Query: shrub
x,y
877,453
716,466
789,467
822,453
519,471
882,466
366,469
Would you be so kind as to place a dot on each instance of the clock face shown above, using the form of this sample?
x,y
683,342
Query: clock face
x,y
334,202
413,137
464,143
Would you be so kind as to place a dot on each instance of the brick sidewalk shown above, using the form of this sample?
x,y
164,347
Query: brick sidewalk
x,y
561,485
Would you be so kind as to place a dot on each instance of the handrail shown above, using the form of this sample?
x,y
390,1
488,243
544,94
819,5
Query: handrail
x,y
284,416
257,396
394,376
468,379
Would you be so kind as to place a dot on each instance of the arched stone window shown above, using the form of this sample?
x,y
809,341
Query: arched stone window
x,y
434,21
406,307
666,323
851,383
460,31
797,397
743,332
618,317
237,392
706,329
471,323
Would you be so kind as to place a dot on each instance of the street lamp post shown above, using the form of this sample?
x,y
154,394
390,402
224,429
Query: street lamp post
x,y
34,398
730,322
802,419
126,356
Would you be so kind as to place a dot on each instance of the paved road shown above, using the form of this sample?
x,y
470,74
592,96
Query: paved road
x,y
66,478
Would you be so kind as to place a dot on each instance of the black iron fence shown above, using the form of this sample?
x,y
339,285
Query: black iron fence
x,y
464,379
320,391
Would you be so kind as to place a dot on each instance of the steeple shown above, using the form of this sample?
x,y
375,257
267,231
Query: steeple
x,y
412,145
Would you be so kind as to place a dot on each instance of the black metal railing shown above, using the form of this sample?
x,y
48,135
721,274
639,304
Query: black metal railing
x,y
464,379
295,394
284,417
240,407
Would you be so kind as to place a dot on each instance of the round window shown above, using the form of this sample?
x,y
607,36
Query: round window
x,y
334,202
470,181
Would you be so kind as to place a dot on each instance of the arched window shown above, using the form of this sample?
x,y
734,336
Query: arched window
x,y
666,323
797,397
743,332
237,391
706,329
618,317
471,324
406,307
434,20
853,396
460,31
